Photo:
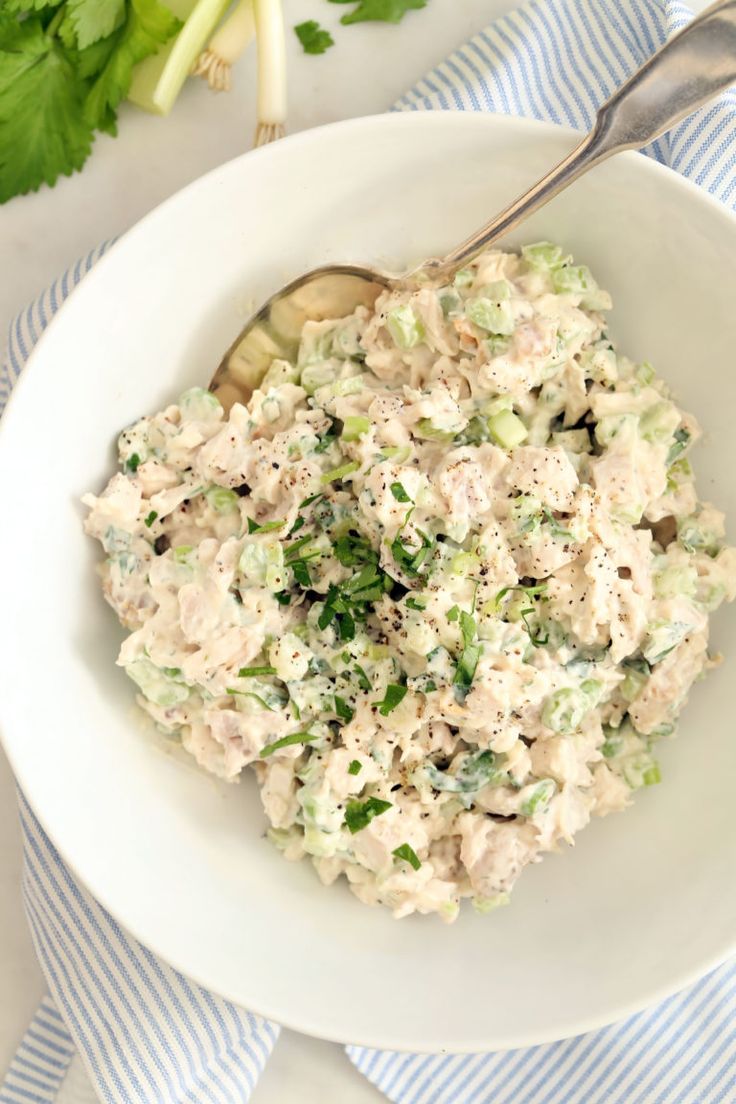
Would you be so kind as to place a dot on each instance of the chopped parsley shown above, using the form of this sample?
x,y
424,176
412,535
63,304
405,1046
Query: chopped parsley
x,y
408,854
363,681
249,694
409,559
394,695
150,519
468,661
287,741
413,604
131,464
359,814
283,597
397,490
314,39
343,710
355,767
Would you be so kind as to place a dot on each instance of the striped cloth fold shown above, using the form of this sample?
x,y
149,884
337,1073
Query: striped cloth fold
x,y
147,1034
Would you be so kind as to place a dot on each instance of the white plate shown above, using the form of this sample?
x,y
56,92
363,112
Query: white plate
x,y
647,900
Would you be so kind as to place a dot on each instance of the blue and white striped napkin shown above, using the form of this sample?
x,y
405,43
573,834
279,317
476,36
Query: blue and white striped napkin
x,y
147,1035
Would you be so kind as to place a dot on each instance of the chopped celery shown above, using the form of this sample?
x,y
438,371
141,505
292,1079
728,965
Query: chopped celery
x,y
425,429
350,385
527,513
155,684
354,426
496,318
318,374
507,429
279,372
676,579
645,374
464,279
200,405
544,256
564,710
262,563
659,422
635,679
222,500
578,280
485,905
661,638
404,326
497,291
694,537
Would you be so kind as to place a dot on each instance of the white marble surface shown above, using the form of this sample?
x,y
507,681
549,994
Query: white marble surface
x,y
367,69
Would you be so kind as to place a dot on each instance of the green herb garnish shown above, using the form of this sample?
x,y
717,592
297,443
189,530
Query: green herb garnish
x,y
397,490
150,519
287,741
343,710
255,672
314,39
359,814
267,527
394,695
408,854
355,767
131,464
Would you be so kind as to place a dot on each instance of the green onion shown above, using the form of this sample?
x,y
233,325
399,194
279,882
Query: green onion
x,y
355,767
408,854
310,500
255,672
267,527
359,814
399,493
287,741
343,710
301,573
394,695
339,473
249,694
151,518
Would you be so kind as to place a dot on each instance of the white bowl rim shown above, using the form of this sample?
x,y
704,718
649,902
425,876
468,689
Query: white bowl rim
x,y
564,1029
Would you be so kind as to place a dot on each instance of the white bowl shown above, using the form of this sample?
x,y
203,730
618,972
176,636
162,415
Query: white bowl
x,y
646,902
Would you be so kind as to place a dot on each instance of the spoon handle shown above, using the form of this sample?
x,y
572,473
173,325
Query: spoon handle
x,y
684,74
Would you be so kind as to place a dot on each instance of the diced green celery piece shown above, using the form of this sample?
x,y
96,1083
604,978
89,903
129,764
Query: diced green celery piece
x,y
404,326
496,318
661,638
507,429
611,425
278,373
200,405
640,769
544,256
425,429
155,684
497,291
262,563
464,279
694,537
348,386
659,422
354,426
564,710
222,500
495,406
675,580
526,512
578,280
485,905
318,374
634,682
463,562
399,453
645,374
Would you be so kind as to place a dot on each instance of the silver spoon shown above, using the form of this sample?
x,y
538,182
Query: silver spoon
x,y
688,71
